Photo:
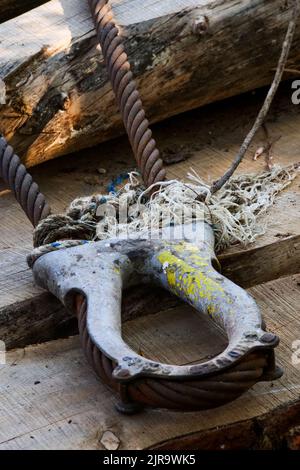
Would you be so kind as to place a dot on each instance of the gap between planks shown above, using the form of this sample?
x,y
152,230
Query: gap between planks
x,y
208,138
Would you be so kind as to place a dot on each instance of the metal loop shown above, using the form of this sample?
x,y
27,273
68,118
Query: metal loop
x,y
93,276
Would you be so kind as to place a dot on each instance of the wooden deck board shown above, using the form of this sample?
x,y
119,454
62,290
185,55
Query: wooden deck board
x,y
50,399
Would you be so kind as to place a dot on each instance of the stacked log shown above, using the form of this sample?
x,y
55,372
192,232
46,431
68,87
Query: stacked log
x,y
184,54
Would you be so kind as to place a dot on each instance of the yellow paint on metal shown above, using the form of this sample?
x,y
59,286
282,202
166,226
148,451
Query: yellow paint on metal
x,y
186,274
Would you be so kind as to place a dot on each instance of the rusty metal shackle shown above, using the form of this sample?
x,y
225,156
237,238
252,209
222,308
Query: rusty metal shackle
x,y
99,272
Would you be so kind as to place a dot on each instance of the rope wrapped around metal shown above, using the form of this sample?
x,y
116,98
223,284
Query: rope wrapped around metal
x,y
25,190
188,395
128,98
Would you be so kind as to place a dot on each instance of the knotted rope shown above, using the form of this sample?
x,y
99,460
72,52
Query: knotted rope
x,y
235,212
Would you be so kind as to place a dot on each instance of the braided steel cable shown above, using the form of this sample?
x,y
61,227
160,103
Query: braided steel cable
x,y
125,89
18,179
188,395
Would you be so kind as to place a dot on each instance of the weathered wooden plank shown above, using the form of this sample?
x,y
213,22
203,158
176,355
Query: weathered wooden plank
x,y
58,96
262,264
50,399
28,315
12,8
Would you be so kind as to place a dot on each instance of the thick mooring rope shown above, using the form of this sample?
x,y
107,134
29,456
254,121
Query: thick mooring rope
x,y
127,95
26,191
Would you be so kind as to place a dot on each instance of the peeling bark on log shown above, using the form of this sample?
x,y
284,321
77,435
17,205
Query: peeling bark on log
x,y
58,96
12,8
